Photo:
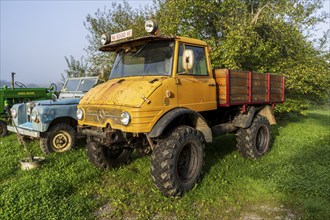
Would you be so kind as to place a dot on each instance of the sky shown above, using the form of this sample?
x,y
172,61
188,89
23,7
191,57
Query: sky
x,y
37,35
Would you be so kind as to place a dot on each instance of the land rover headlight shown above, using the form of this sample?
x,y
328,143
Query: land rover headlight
x,y
80,114
30,106
125,118
13,112
34,116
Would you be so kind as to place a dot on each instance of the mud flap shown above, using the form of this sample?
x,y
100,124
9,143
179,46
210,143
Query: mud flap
x,y
245,120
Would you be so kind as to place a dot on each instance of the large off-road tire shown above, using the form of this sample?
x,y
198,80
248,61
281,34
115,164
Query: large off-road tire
x,y
105,157
3,128
177,161
59,138
254,141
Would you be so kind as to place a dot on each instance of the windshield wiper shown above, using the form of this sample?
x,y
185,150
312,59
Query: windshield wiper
x,y
141,48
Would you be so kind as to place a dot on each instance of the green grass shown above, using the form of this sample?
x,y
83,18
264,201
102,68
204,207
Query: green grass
x,y
292,181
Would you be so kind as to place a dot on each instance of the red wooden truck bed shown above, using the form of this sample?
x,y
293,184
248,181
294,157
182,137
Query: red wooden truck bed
x,y
247,87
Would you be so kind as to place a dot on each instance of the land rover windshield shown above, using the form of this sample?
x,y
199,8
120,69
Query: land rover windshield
x,y
150,59
79,84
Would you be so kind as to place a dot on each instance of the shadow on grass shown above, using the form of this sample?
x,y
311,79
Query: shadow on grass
x,y
323,120
218,150
284,119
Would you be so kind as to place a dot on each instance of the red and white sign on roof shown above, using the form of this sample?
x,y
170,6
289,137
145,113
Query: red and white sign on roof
x,y
121,35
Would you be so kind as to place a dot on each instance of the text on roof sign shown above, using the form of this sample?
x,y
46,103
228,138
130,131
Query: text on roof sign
x,y
121,35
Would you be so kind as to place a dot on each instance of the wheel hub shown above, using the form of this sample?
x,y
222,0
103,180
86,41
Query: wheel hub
x,y
262,139
186,163
61,141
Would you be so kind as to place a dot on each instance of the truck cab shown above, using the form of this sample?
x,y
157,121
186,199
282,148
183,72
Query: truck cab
x,y
52,121
163,98
147,81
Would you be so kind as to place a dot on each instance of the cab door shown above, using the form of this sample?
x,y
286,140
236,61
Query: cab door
x,y
196,87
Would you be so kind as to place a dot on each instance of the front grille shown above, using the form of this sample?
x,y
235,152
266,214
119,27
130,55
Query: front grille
x,y
93,115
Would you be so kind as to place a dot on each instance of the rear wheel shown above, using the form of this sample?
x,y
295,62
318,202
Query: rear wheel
x,y
3,128
253,142
105,157
177,161
60,137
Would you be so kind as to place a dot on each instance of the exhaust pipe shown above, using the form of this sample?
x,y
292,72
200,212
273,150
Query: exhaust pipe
x,y
12,80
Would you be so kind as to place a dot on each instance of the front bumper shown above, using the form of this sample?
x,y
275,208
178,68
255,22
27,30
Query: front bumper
x,y
24,132
105,136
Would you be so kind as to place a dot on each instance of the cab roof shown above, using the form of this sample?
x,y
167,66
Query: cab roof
x,y
111,47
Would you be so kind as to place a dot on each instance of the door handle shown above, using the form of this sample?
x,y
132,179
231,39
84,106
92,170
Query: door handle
x,y
211,84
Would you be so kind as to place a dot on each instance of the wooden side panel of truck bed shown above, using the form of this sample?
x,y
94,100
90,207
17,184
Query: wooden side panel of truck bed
x,y
244,87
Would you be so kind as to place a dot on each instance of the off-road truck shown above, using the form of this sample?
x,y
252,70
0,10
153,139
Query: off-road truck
x,y
163,97
19,94
52,121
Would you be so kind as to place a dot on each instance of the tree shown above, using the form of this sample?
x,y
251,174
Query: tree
x,y
76,68
261,35
266,36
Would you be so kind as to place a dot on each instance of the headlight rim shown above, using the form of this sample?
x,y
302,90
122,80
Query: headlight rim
x,y
105,39
151,26
125,118
82,114
13,112
34,116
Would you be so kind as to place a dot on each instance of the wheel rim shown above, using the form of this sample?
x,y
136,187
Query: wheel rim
x,y
262,139
61,141
187,162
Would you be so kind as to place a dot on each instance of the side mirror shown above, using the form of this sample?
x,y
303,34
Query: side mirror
x,y
188,60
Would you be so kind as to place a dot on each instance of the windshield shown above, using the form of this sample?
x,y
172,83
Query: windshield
x,y
86,84
71,84
79,84
151,59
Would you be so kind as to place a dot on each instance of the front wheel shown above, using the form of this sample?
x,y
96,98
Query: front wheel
x,y
177,161
253,142
3,128
60,137
106,157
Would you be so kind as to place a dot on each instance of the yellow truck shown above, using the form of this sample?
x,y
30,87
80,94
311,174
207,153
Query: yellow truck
x,y
164,98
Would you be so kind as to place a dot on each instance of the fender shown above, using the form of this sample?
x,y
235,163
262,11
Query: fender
x,y
267,112
245,120
197,121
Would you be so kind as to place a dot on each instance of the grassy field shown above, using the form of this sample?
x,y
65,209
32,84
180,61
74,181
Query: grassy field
x,y
291,182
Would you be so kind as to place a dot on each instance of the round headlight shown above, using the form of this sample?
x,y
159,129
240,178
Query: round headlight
x,y
105,39
34,116
13,113
151,26
125,118
80,114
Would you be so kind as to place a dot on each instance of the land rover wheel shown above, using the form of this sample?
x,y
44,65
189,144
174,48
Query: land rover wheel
x,y
60,137
3,128
253,142
106,157
177,161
